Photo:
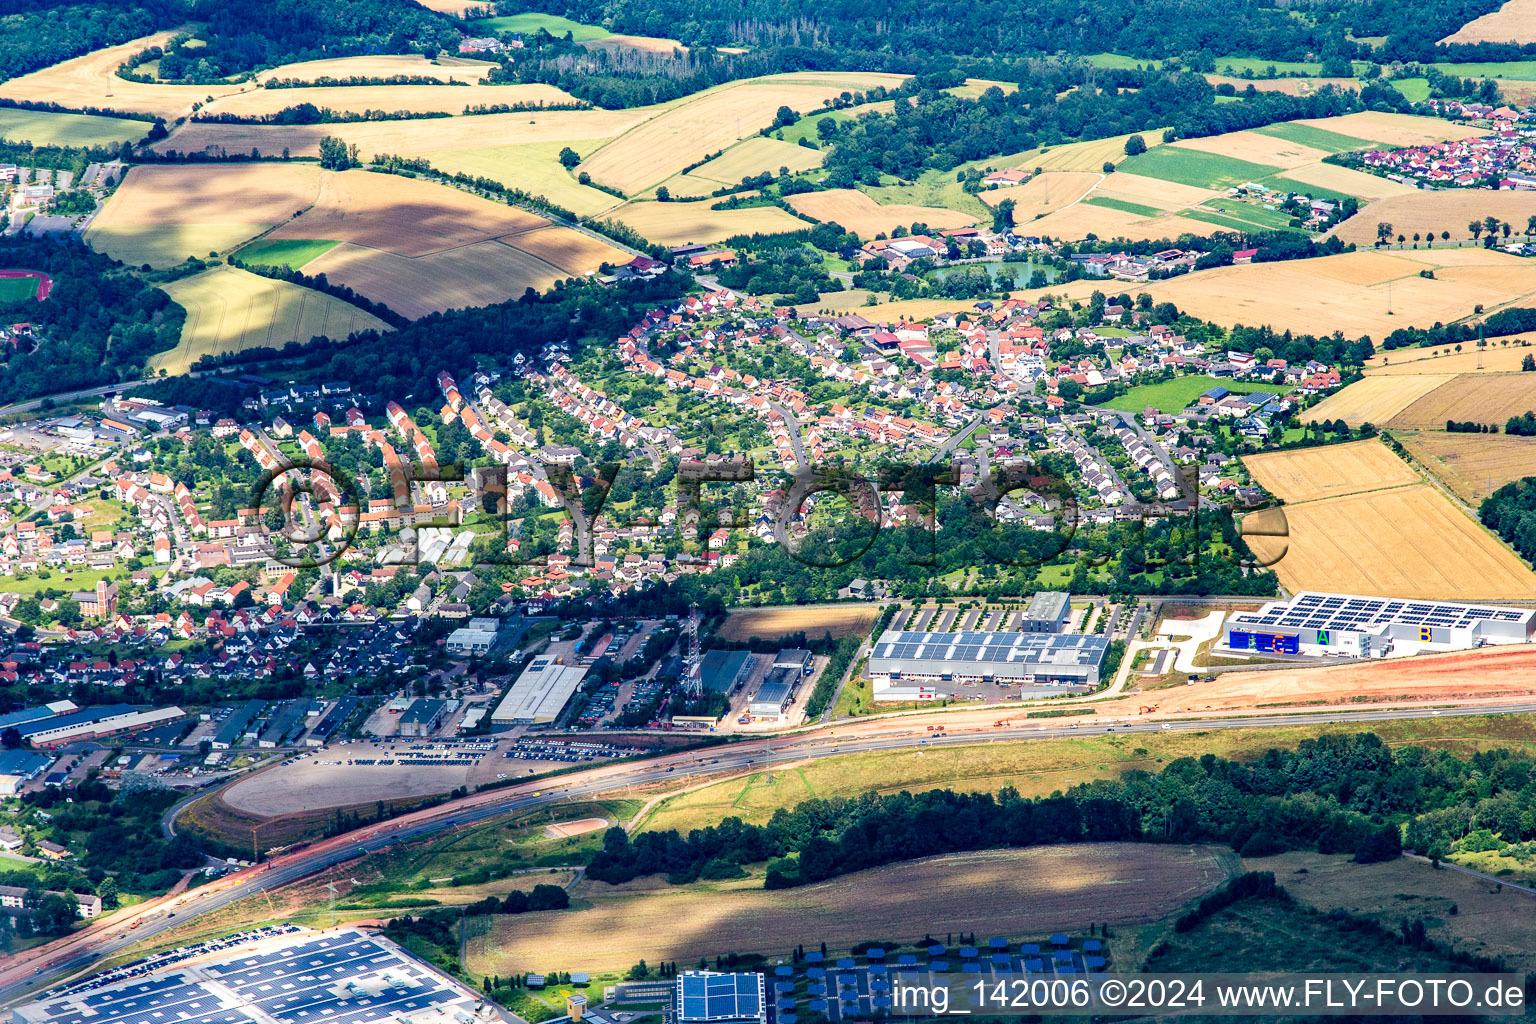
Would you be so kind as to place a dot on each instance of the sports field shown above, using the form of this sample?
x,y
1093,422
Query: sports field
x,y
1308,474
1473,466
163,213
712,121
1383,537
44,128
680,223
1359,293
17,289
91,81
814,620
1038,890
1430,213
1479,397
1375,399
861,214
229,310
1515,22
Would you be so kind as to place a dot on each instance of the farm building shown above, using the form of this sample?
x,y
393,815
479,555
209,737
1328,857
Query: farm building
x,y
921,666
539,694
708,997
1047,612
1348,625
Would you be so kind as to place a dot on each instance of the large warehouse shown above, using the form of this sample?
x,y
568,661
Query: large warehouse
x,y
540,693
921,666
1348,625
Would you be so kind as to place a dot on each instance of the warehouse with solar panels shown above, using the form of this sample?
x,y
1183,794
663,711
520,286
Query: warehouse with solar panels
x,y
708,997
1314,624
906,665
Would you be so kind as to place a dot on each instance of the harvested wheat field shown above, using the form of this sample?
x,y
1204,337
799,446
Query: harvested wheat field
x,y
1043,193
1165,195
755,156
1394,129
406,138
865,217
569,249
1515,22
379,65
1431,212
1255,148
229,310
1375,399
1307,474
1491,674
535,168
415,99
685,132
814,620
1039,890
688,222
1473,466
1349,292
1076,156
1400,542
1088,218
1349,181
645,44
457,8
478,274
1496,358
408,216
161,214
1479,397
1289,86
91,81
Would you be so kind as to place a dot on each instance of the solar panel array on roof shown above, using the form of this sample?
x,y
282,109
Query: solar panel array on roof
x,y
1312,610
339,978
972,647
708,996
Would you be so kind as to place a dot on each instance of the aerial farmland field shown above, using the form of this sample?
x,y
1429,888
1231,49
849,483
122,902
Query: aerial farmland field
x,y
772,623
163,213
1514,22
46,128
680,223
394,98
1375,399
1472,465
1329,471
230,309
1480,397
1497,357
865,217
1432,212
758,155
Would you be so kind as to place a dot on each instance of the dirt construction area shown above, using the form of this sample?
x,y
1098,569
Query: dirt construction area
x,y
1032,892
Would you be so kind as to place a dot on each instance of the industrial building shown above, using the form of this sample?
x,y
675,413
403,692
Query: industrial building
x,y
794,658
479,639
723,671
1347,625
285,724
539,694
301,977
905,665
709,997
332,720
1047,612
423,716
19,767
94,723
234,728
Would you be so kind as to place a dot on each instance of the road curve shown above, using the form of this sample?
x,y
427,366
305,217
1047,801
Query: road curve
x,y
45,965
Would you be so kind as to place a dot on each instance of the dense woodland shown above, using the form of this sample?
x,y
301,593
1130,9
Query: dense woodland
x,y
100,324
954,29
1510,511
1336,794
37,33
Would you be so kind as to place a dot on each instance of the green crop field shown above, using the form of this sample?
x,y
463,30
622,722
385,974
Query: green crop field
x,y
1317,138
1193,167
292,253
1125,205
1281,183
1243,217
17,289
1172,396
532,21
46,128
1415,90
1520,70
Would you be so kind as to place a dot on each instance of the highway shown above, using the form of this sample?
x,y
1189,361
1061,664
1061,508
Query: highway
x,y
29,972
